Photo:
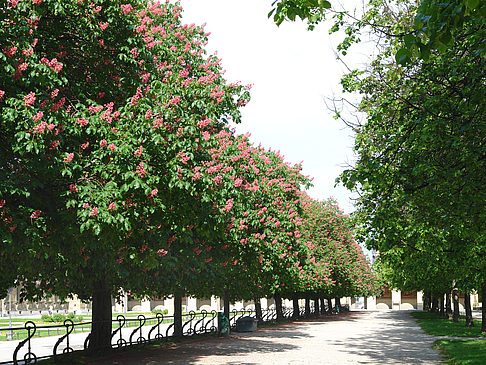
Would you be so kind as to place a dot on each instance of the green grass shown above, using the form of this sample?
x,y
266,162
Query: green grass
x,y
433,325
463,352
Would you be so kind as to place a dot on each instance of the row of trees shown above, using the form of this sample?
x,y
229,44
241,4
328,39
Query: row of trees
x,y
421,160
118,170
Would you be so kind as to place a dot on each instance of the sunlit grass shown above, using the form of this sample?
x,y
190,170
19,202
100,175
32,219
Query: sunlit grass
x,y
433,325
463,352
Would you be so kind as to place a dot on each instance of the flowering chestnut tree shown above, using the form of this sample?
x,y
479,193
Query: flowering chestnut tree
x,y
104,107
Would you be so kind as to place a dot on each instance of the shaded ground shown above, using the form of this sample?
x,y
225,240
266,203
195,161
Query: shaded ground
x,y
354,338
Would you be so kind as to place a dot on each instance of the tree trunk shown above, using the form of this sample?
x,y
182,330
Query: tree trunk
x,y
337,304
365,303
258,309
100,338
278,306
426,302
442,309
307,307
316,307
177,315
455,301
435,304
226,304
295,303
483,310
448,305
467,305
329,305
323,306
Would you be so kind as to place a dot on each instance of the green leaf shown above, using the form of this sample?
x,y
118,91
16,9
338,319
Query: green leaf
x,y
402,56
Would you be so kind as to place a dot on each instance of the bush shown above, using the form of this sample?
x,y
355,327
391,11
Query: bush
x,y
58,317
46,318
165,311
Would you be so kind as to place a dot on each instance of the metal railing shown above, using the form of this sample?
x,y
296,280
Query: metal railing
x,y
33,339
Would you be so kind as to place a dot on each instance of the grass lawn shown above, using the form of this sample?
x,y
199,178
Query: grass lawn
x,y
433,325
463,352
460,352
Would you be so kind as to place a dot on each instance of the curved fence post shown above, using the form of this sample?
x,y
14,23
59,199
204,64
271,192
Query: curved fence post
x,y
69,328
121,323
29,357
140,339
191,330
160,320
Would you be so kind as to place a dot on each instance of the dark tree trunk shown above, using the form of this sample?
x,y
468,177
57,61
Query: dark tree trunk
x,y
295,302
316,307
329,305
426,303
178,315
258,309
323,306
483,310
307,307
278,306
442,307
365,303
467,305
455,301
226,304
337,304
435,304
448,305
100,338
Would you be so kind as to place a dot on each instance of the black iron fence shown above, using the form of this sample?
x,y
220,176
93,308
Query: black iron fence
x,y
33,341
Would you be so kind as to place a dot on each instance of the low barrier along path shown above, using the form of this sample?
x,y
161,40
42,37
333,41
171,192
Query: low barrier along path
x,y
391,337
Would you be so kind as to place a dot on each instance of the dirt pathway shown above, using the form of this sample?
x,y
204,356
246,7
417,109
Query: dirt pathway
x,y
391,337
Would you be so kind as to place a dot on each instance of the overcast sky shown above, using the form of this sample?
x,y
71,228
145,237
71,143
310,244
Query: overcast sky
x,y
293,71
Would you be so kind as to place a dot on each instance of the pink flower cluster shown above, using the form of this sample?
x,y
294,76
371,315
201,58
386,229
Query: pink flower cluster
x,y
69,158
29,99
35,214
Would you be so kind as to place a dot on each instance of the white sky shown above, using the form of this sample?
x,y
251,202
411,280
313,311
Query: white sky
x,y
292,71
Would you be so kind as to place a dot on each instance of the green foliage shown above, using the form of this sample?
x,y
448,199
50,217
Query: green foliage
x,y
160,311
58,317
47,318
463,352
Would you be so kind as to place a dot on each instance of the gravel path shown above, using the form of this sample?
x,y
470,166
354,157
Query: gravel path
x,y
391,337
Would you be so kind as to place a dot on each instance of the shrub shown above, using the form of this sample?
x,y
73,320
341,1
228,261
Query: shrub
x,y
58,317
46,318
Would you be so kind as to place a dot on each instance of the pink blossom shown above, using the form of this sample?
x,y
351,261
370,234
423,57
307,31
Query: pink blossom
x,y
162,252
94,212
73,188
112,147
112,206
40,128
35,214
138,152
69,158
229,205
126,8
141,169
103,26
103,143
82,122
29,99
2,93
38,116
205,135
51,126
85,205
2,203
154,192
84,145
